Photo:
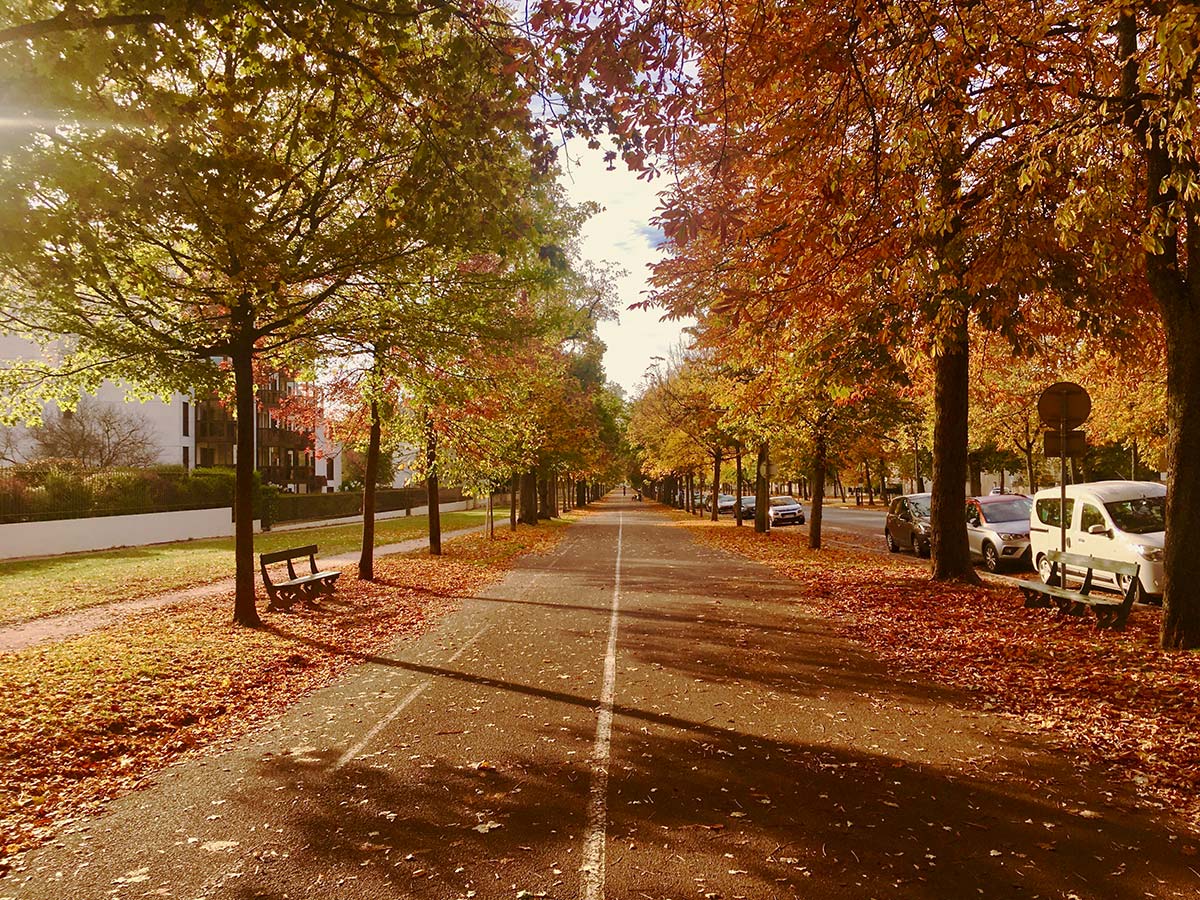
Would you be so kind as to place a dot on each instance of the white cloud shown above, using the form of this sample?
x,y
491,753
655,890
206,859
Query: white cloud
x,y
623,234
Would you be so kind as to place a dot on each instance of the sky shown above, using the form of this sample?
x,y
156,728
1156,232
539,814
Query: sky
x,y
622,234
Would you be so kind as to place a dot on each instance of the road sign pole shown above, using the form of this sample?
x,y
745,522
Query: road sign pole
x,y
1062,493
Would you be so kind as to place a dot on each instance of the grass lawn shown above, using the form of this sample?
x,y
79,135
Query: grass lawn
x,y
89,718
40,587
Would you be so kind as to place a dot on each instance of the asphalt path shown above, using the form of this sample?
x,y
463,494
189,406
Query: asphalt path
x,y
630,716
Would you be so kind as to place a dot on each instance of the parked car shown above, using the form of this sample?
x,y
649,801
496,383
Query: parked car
x,y
749,504
725,504
1119,520
998,529
785,511
907,525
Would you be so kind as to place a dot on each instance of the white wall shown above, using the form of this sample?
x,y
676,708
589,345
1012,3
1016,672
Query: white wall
x,y
164,417
104,533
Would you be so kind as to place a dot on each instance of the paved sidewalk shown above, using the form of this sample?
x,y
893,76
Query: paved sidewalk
x,y
22,635
632,715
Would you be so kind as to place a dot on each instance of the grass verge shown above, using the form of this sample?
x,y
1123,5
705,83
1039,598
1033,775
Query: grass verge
x,y
90,718
1113,697
33,588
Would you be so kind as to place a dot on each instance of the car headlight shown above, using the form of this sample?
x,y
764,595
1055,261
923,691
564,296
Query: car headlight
x,y
1151,554
1013,537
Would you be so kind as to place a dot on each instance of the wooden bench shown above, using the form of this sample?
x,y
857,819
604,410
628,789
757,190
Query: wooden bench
x,y
307,587
1110,611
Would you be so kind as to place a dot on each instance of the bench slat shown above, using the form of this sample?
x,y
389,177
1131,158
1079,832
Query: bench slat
x,y
1068,594
281,555
1080,561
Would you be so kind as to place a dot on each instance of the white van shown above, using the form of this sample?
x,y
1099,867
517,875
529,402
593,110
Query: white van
x,y
1120,520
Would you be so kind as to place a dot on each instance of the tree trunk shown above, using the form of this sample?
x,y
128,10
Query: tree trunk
x,y
949,548
818,491
529,498
1033,485
716,485
366,558
867,478
245,609
762,490
514,500
552,495
737,504
431,486
1181,597
976,474
581,493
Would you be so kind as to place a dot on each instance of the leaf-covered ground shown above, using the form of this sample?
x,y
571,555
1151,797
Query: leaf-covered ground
x,y
31,588
90,718
1110,696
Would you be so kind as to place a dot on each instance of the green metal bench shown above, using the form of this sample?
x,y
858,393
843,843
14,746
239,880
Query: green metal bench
x,y
1110,611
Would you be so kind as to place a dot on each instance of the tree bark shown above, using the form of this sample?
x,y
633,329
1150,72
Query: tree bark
x,y
737,504
818,490
716,485
867,478
245,608
543,498
976,474
581,493
431,485
529,498
762,490
951,398
366,558
514,500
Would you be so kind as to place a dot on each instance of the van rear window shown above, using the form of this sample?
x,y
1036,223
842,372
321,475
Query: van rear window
x,y
1047,511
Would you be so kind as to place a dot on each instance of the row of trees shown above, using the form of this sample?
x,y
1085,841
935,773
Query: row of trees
x,y
193,195
873,188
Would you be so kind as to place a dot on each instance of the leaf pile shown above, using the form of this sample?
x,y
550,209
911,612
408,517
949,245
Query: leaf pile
x,y
1113,697
90,718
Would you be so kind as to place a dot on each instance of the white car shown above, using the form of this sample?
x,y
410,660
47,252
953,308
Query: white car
x,y
1118,520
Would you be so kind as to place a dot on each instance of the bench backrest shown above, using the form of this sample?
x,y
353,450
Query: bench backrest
x,y
1080,561
281,555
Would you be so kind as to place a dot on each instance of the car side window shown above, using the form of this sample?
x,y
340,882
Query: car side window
x,y
1089,516
1048,508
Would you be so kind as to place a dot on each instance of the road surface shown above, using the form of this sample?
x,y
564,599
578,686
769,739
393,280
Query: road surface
x,y
631,716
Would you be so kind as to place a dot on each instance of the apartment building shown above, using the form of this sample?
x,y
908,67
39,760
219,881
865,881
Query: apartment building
x,y
198,432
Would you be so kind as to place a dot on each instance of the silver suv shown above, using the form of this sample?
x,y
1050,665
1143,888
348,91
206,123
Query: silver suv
x,y
998,529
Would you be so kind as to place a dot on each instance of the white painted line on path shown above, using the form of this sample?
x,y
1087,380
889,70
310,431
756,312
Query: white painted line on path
x,y
595,836
412,695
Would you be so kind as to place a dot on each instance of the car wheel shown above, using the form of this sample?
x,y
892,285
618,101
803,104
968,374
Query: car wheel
x,y
1043,567
892,546
923,548
991,559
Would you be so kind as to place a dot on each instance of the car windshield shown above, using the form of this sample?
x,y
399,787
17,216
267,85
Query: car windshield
x,y
1144,515
784,501
1014,510
919,506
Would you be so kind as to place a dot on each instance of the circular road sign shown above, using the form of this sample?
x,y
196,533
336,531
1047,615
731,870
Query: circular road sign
x,y
1065,403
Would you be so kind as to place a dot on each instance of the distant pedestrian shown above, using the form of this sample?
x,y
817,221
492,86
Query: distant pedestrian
x,y
622,490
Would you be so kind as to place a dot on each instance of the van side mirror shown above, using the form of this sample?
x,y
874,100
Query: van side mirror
x,y
1099,529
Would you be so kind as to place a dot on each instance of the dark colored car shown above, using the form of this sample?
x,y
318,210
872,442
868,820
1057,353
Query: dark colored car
x,y
907,526
725,504
785,511
749,504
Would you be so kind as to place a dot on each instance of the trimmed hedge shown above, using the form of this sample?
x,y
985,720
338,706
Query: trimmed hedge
x,y
313,507
58,489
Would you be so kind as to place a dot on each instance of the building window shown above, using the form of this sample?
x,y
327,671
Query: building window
x,y
329,469
186,456
187,418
